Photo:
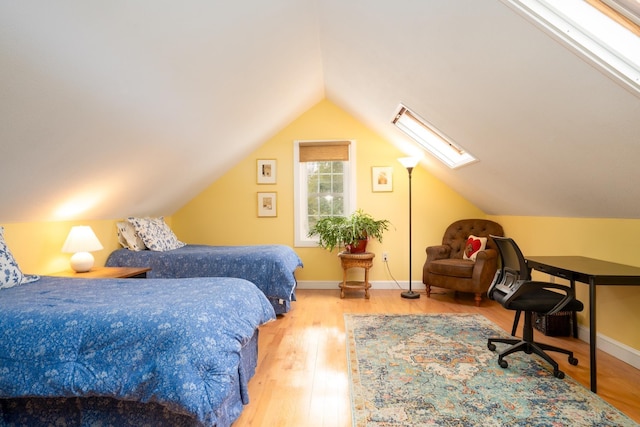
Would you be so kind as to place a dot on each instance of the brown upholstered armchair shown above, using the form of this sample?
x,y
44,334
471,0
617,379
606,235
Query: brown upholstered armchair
x,y
446,268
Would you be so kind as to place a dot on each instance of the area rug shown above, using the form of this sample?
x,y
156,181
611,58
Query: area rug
x,y
436,370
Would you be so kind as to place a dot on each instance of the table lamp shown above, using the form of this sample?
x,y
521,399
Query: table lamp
x,y
80,242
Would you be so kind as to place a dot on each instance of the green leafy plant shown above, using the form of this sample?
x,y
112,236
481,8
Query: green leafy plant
x,y
339,231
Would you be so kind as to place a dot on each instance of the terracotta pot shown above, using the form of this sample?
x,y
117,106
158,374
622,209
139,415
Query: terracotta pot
x,y
359,247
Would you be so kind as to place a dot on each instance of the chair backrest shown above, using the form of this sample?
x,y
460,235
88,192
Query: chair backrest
x,y
513,269
456,235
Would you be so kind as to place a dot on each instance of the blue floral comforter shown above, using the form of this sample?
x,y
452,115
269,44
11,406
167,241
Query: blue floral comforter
x,y
270,267
173,342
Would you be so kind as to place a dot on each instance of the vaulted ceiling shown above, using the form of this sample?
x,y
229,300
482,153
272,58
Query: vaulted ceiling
x,y
116,108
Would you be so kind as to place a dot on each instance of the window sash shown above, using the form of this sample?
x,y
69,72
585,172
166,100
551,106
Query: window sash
x,y
316,163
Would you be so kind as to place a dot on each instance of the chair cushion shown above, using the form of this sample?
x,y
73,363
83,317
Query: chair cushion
x,y
452,267
542,301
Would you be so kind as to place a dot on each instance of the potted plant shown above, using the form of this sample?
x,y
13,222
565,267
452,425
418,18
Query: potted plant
x,y
350,232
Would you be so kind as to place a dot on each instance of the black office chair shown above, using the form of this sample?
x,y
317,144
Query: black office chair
x,y
513,288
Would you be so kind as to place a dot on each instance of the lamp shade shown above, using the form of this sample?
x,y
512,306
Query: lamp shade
x,y
409,162
80,241
81,238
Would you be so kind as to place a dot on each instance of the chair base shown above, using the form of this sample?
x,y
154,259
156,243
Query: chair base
x,y
527,345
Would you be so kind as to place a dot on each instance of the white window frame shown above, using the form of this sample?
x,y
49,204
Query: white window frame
x,y
301,226
590,33
431,139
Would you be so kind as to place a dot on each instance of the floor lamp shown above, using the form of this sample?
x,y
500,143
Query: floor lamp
x,y
409,163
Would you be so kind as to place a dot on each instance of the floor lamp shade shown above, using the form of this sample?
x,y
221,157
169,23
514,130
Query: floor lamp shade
x,y
81,241
409,163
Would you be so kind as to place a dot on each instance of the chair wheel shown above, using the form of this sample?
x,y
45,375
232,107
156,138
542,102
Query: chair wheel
x,y
558,374
503,364
573,361
491,346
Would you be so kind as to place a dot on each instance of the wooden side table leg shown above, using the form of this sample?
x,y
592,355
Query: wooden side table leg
x,y
344,282
367,285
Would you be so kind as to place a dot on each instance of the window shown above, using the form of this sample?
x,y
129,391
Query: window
x,y
324,184
590,33
624,12
431,139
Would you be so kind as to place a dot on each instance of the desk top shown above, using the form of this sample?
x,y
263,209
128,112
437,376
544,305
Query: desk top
x,y
585,269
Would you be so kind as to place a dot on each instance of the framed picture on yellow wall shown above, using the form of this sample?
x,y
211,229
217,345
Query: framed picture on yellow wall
x,y
267,171
267,205
382,178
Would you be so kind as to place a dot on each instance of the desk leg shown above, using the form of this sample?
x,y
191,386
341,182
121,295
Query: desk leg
x,y
592,336
574,314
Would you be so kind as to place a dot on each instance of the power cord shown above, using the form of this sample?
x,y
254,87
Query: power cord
x,y
386,263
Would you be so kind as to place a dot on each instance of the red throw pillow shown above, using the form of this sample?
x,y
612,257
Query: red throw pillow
x,y
473,246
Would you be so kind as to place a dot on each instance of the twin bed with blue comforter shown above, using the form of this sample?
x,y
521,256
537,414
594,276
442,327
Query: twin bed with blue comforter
x,y
270,267
126,352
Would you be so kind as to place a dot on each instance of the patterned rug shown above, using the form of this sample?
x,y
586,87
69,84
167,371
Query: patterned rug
x,y
436,370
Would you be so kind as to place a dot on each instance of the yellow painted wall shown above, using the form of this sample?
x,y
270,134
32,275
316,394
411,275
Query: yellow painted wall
x,y
615,240
37,246
226,212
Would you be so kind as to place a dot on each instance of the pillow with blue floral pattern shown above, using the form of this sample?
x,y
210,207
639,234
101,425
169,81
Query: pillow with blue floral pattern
x,y
155,233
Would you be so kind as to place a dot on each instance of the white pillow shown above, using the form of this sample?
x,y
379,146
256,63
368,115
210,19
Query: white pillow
x,y
155,234
473,246
128,237
10,274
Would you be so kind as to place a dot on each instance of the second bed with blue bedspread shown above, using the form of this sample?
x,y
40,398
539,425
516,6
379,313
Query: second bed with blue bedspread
x,y
270,267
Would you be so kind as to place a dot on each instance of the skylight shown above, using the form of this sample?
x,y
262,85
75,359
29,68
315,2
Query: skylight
x,y
591,33
431,139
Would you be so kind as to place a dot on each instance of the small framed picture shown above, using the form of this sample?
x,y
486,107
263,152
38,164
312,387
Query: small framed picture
x,y
267,171
267,205
382,178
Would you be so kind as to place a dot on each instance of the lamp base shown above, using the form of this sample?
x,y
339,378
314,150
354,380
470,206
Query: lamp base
x,y
410,295
81,262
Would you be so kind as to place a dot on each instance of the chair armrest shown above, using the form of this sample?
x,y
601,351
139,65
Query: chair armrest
x,y
438,252
485,266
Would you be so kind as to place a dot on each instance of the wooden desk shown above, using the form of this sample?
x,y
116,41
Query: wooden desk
x,y
360,260
593,272
106,272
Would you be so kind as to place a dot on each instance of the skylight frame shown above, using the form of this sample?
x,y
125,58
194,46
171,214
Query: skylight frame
x,y
629,9
588,32
431,138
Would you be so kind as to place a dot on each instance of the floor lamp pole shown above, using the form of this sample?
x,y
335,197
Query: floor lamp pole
x,y
409,163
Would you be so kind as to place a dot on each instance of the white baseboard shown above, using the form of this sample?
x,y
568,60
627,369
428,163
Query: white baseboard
x,y
615,348
311,284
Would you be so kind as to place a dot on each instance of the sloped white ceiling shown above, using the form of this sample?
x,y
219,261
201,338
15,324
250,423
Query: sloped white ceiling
x,y
135,107
141,105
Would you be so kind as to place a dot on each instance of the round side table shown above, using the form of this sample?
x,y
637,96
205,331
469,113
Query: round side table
x,y
359,260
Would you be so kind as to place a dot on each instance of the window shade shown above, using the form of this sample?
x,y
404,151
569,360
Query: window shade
x,y
324,151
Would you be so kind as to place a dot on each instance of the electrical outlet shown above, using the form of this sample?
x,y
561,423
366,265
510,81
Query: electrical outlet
x,y
385,256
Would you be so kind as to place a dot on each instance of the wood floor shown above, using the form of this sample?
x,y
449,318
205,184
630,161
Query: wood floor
x,y
302,379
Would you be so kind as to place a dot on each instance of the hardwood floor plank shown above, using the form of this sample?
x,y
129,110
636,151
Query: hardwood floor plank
x,y
302,376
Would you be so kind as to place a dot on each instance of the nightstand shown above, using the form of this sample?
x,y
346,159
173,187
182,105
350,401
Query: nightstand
x,y
107,272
